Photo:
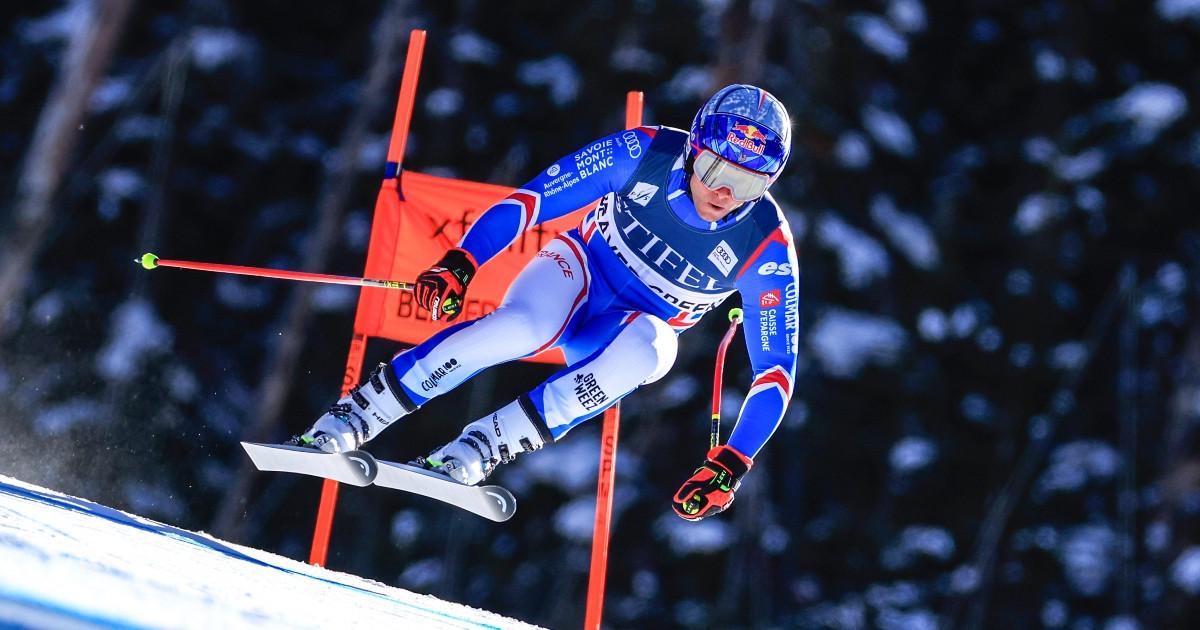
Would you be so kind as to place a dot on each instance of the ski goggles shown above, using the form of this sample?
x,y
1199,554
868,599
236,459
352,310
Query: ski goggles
x,y
716,172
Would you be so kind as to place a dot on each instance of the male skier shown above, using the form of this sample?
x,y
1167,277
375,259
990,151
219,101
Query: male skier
x,y
684,220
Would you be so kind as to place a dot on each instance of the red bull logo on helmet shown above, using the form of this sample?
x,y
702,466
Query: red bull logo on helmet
x,y
748,137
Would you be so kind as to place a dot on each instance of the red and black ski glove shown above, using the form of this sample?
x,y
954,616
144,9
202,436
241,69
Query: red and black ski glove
x,y
711,488
442,288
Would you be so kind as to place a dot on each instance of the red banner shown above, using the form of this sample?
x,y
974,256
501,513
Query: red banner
x,y
412,230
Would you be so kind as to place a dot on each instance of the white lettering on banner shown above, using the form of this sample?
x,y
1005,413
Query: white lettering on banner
x,y
723,257
776,269
692,276
632,144
650,244
667,259
696,295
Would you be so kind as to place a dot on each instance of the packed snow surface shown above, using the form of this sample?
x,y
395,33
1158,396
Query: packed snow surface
x,y
70,563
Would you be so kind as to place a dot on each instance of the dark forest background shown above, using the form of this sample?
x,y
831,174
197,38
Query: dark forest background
x,y
995,419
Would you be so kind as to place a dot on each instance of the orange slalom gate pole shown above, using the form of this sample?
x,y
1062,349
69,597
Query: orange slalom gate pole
x,y
633,109
606,483
408,95
358,344
325,509
600,532
329,488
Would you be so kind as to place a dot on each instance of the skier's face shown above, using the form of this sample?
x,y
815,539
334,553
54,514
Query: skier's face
x,y
711,205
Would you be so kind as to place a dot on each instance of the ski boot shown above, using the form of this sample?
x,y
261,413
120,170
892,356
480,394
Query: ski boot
x,y
359,416
490,441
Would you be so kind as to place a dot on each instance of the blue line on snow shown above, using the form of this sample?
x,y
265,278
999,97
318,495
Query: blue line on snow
x,y
24,599
21,599
95,509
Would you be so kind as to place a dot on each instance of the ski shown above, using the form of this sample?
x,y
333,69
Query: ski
x,y
490,502
356,468
359,468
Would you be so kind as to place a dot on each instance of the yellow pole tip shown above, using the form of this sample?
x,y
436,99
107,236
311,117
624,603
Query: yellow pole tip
x,y
148,260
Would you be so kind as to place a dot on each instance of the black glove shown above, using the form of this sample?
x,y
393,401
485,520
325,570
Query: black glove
x,y
442,288
710,490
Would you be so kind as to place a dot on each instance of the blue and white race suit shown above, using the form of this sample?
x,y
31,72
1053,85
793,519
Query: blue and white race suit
x,y
615,293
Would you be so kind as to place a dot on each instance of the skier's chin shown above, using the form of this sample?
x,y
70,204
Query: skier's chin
x,y
712,212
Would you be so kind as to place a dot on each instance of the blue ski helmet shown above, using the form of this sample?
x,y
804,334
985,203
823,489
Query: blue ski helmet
x,y
745,125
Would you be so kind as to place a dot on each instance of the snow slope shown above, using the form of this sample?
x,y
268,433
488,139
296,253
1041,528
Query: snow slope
x,y
70,563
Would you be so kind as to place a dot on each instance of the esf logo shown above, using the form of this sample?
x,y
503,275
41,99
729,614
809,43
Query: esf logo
x,y
775,269
439,374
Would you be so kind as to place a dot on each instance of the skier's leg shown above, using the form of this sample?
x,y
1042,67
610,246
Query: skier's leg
x,y
533,316
535,313
642,351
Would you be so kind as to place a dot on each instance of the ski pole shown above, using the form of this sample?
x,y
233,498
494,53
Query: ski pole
x,y
150,261
735,318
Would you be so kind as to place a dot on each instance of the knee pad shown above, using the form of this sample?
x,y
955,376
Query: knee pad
x,y
654,334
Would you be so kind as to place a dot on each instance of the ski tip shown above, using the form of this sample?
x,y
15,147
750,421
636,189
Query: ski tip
x,y
148,261
364,465
506,503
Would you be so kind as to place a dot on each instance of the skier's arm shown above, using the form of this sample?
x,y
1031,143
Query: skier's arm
x,y
770,287
770,290
567,185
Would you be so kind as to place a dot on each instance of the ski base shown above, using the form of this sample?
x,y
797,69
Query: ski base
x,y
359,468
